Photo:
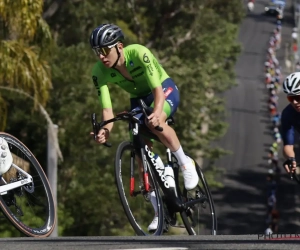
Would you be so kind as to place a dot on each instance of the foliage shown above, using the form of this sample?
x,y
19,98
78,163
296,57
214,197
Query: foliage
x,y
23,64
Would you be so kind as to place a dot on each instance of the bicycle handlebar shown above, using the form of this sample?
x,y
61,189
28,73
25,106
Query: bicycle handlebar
x,y
290,166
122,116
148,111
96,129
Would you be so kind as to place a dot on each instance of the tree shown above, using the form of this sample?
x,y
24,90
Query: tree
x,y
196,43
23,64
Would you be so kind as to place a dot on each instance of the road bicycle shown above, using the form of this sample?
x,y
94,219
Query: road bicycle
x,y
25,195
137,186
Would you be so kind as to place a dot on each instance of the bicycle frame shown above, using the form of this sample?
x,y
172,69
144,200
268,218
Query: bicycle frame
x,y
20,183
147,156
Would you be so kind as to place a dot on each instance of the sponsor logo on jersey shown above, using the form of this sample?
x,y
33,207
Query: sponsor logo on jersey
x,y
131,63
113,75
168,92
122,81
170,102
95,81
135,69
150,69
137,75
146,58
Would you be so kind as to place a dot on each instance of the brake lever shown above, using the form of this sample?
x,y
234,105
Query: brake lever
x,y
148,112
291,173
158,128
96,129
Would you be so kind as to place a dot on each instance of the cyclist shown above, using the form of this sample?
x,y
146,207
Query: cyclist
x,y
5,157
250,5
135,69
290,118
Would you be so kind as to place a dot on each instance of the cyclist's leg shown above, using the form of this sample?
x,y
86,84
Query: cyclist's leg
x,y
5,156
169,138
135,104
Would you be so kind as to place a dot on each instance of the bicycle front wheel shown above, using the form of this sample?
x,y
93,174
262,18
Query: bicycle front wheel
x,y
29,206
136,201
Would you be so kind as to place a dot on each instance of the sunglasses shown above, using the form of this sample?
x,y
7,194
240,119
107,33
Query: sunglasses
x,y
104,50
293,98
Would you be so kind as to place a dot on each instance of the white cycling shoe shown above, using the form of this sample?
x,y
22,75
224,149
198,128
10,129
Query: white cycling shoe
x,y
153,225
190,175
6,158
190,178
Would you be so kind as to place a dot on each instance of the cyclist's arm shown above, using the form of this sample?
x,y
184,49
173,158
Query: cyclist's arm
x,y
287,134
107,113
103,96
159,99
288,151
152,74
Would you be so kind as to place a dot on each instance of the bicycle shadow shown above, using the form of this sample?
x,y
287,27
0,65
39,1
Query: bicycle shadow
x,y
241,204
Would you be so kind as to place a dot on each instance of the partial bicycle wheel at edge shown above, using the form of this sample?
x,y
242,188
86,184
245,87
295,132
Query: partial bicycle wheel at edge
x,y
137,207
30,207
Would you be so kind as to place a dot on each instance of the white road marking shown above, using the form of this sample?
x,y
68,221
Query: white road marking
x,y
160,248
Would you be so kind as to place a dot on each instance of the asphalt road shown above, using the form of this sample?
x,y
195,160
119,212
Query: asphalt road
x,y
241,204
154,243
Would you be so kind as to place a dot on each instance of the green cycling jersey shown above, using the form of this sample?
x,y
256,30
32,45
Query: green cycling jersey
x,y
143,67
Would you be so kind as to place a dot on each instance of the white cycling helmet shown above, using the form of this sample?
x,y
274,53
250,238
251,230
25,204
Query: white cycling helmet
x,y
291,84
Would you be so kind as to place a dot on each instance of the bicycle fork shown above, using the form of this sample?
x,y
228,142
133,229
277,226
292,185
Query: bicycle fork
x,y
145,174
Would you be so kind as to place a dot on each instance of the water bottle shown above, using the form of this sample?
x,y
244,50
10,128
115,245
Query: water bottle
x,y
167,170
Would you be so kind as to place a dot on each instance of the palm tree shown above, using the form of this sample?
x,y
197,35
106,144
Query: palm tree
x,y
25,41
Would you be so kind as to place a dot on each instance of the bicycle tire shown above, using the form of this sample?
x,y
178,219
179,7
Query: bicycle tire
x,y
184,214
127,146
49,220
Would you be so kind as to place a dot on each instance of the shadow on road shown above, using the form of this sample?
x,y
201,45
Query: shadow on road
x,y
244,203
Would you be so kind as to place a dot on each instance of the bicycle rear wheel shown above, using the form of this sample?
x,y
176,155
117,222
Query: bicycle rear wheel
x,y
201,217
136,203
29,206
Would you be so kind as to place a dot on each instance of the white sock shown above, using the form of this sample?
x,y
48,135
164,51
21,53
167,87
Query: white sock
x,y
181,157
154,202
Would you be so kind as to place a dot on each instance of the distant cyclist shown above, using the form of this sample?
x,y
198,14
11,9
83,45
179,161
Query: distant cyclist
x,y
136,70
290,118
250,5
